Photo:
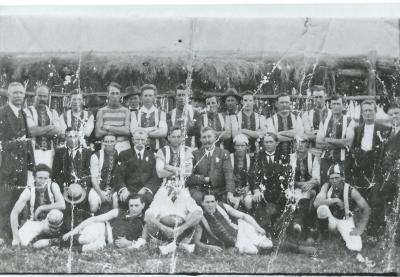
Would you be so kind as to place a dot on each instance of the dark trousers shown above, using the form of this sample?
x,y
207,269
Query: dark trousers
x,y
304,214
8,197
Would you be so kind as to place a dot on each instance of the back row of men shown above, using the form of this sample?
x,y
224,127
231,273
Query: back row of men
x,y
253,177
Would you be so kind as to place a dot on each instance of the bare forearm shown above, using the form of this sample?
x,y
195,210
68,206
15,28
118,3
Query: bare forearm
x,y
193,219
122,131
159,133
250,133
39,131
14,223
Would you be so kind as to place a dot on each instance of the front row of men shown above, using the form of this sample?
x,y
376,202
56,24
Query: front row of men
x,y
141,197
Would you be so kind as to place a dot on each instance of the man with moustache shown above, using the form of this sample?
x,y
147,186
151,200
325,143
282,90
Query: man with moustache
x,y
285,125
133,98
44,125
212,170
16,154
114,119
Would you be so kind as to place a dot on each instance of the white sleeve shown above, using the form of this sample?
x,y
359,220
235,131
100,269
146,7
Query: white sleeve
x,y
134,122
89,126
315,173
94,166
270,125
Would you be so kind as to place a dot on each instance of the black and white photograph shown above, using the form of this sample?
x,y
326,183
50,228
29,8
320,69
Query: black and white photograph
x,y
200,139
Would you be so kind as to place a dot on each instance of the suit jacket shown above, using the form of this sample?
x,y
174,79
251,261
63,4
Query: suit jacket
x,y
134,174
218,169
16,156
376,142
391,152
61,167
269,175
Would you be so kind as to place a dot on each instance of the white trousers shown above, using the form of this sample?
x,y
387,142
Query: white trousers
x,y
248,240
30,230
122,145
44,157
343,226
93,236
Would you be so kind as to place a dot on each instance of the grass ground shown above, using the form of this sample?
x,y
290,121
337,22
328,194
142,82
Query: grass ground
x,y
331,257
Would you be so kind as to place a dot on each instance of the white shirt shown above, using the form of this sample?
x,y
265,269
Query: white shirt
x,y
74,151
14,108
366,141
209,153
141,152
270,156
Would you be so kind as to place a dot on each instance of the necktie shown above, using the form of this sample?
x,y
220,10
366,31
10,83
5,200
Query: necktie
x,y
140,156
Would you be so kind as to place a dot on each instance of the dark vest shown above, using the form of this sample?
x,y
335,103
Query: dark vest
x,y
125,226
221,228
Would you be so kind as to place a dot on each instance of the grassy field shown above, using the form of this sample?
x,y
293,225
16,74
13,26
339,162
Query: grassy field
x,y
331,257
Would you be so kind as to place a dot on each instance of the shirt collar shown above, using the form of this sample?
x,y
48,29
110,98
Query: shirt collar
x,y
139,151
147,111
14,108
270,154
74,151
210,151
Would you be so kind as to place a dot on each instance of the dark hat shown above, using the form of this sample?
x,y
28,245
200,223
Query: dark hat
x,y
132,90
93,100
197,95
231,92
115,85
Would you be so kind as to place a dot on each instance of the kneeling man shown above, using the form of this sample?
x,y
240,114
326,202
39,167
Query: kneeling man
x,y
335,202
247,235
125,227
45,202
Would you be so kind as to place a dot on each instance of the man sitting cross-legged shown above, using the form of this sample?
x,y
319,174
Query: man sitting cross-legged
x,y
173,213
45,202
125,227
247,235
335,202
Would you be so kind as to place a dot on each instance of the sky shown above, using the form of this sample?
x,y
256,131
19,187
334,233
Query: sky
x,y
76,31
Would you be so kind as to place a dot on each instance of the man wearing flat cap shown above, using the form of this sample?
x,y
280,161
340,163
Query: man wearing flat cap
x,y
132,98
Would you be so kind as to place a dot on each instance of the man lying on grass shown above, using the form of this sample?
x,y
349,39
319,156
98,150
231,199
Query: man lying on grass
x,y
247,235
123,227
44,201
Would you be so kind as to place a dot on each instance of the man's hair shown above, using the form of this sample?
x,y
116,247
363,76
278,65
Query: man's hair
x,y
248,92
369,102
336,97
206,129
208,193
180,87
14,84
272,135
148,86
213,96
114,85
317,88
41,167
173,129
41,86
69,129
241,138
134,196
139,131
282,95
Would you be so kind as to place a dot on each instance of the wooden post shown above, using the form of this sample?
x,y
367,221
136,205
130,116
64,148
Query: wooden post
x,y
371,72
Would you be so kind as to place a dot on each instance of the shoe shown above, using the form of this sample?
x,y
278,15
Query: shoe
x,y
166,249
307,250
187,247
265,243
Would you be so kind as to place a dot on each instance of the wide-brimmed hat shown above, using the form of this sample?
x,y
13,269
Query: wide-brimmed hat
x,y
74,194
231,92
132,90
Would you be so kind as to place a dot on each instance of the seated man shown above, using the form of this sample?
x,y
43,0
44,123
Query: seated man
x,y
45,202
136,171
241,163
125,227
269,179
102,170
306,179
213,170
335,202
247,235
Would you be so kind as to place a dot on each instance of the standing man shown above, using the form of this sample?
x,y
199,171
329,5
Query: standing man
x,y
336,201
184,116
214,119
103,165
136,171
335,136
285,125
312,118
114,119
44,125
212,170
16,154
150,118
133,98
77,118
231,99
250,123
